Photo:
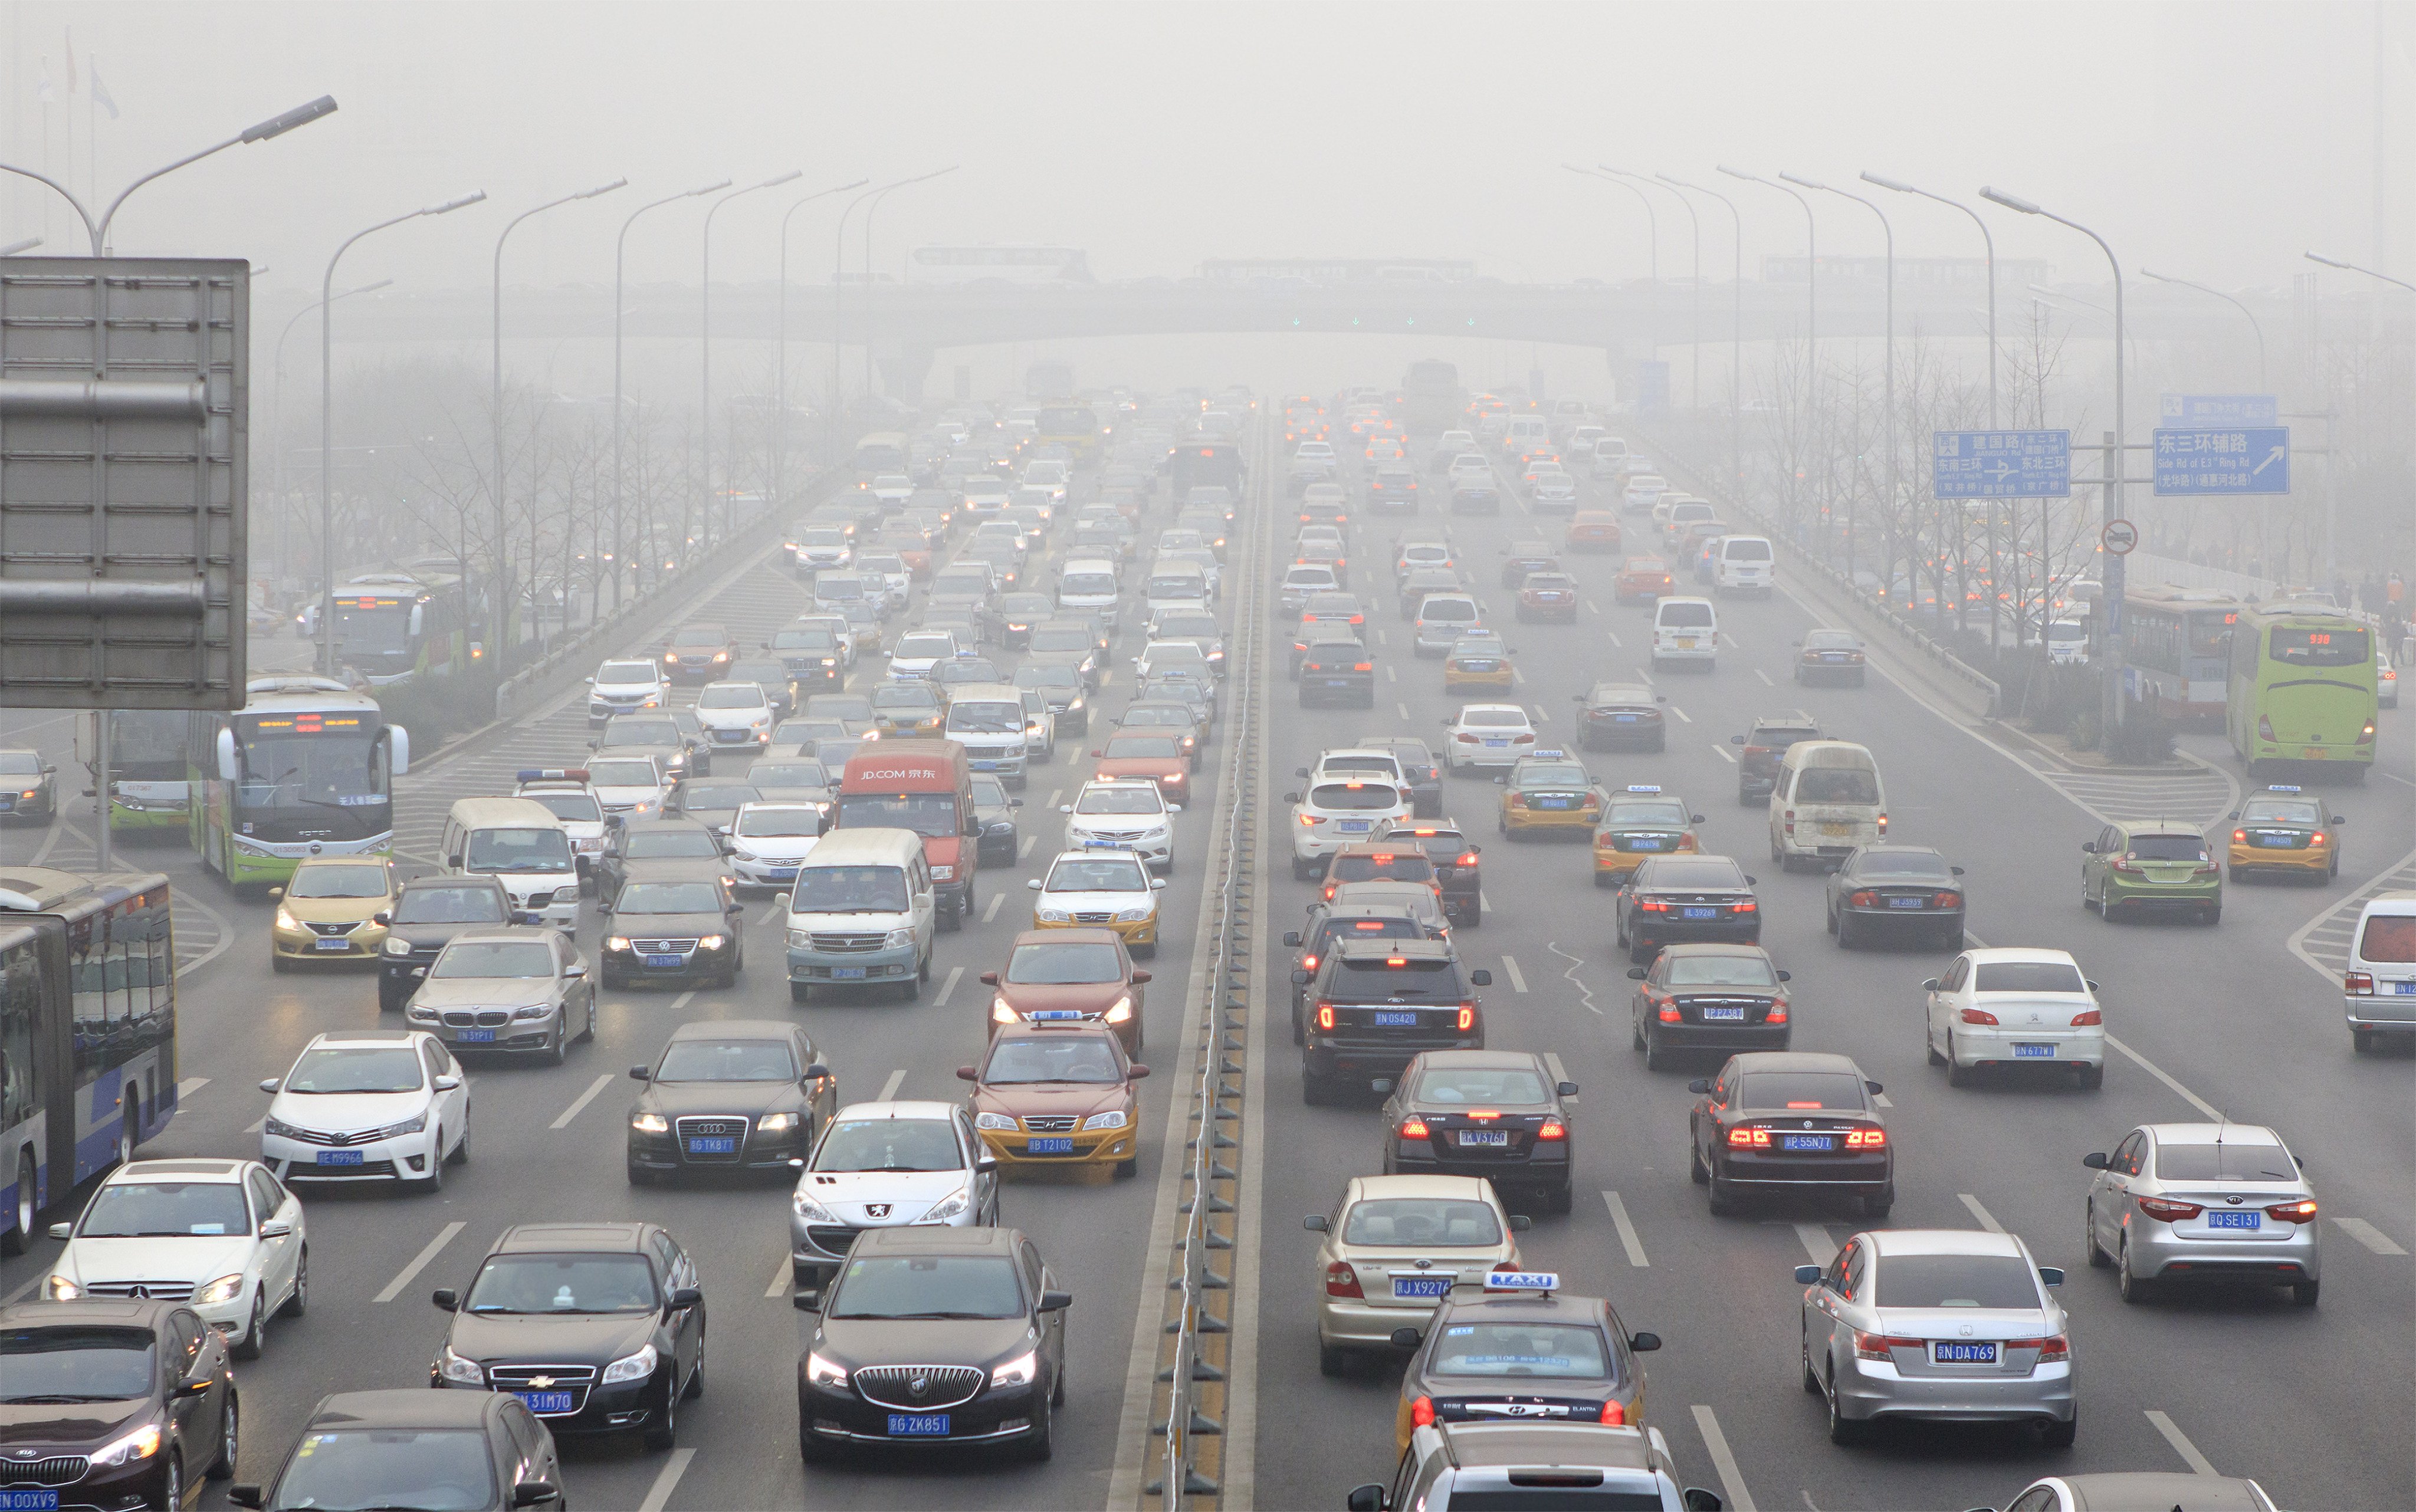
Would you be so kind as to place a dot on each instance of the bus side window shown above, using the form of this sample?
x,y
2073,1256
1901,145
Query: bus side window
x,y
85,993
20,1000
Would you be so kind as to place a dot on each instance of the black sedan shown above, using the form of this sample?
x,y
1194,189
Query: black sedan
x,y
415,1449
117,1403
994,811
1881,892
1719,997
1335,668
651,840
676,922
1495,1114
599,1327
933,1336
1668,900
1622,716
1790,1123
744,1095
426,914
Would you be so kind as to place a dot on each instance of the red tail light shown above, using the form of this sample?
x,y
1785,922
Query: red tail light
x,y
1554,1128
1308,963
1865,900
1866,1139
1883,824
1415,1128
1613,1414
1978,1015
1469,860
1777,1013
1669,1012
2240,837
2166,1210
2298,1212
1653,906
2264,726
1362,666
1746,907
2053,1351
2087,1018
1745,1137
1422,1412
2315,839
1947,899
1341,1280
1325,1016
2358,984
1876,1346
1467,1017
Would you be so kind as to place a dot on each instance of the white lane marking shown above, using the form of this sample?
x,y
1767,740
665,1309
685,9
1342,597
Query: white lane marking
x,y
1404,708
1107,677
20,1293
1627,1239
1722,751
1054,794
579,1107
889,1087
1560,1073
1881,1099
2368,1235
420,1262
2179,1441
772,910
1390,676
1681,713
1731,639
991,911
1520,678
1815,1241
1383,640
1483,901
1987,1220
784,1276
1517,979
189,1085
2157,1071
666,1480
1765,678
1022,852
1591,607
1615,640
258,1124
683,999
948,986
1732,1479
1541,714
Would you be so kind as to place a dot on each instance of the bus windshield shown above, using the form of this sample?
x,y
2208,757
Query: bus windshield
x,y
378,627
329,760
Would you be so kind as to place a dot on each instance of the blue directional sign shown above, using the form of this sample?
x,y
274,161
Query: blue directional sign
x,y
2001,464
2204,461
2191,412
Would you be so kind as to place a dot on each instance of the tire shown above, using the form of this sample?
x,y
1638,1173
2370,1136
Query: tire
x,y
2211,916
1952,939
21,1229
2091,1078
392,1002
1876,1207
125,1127
586,1036
2361,1042
433,1183
2098,1258
1723,1195
1811,1376
1314,1091
299,1302
1332,1359
639,1174
1842,1430
1561,1200
1929,1047
1845,932
1697,1172
1299,1034
1042,1443
279,964
1655,1058
2303,1293
1129,1168
246,1347
1957,1073
1635,1040
664,1430
173,1482
695,1386
230,1438
1475,913
2135,1288
559,1051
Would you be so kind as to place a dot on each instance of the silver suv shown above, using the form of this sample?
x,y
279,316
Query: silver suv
x,y
1490,1464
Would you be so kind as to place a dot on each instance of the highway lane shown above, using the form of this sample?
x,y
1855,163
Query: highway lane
x,y
2228,1013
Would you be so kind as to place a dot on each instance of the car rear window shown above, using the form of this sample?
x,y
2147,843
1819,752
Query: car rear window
x,y
2028,977
1684,616
1749,549
2168,847
2228,1162
1801,1089
1354,797
1343,931
1479,1086
1421,1222
1955,1282
1392,867
1721,971
2390,939
1707,872
1520,1349
1837,784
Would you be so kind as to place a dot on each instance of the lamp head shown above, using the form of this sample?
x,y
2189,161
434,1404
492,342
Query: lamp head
x,y
1869,177
1800,179
601,188
451,205
2011,202
276,126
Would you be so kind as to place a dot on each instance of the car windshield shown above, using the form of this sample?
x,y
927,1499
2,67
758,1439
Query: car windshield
x,y
1097,873
1454,610
450,906
628,731
2300,646
62,1365
839,706
986,717
1059,965
926,814
890,1145
1134,800
700,635
1691,970
493,958
519,850
343,880
1648,811
2028,977
1408,866
1955,1282
1018,1061
1799,1089
727,1060
2167,848
341,1069
564,1283
2240,1161
839,889
427,1470
572,808
737,695
1837,784
1343,930
623,775
1143,747
703,897
1717,875
919,646
715,798
1422,1222
626,672
1480,1087
148,1209
928,1286
1516,1349
777,823
898,697
788,774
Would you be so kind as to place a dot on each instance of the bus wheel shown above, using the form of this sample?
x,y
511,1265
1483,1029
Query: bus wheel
x,y
12,1239
126,1128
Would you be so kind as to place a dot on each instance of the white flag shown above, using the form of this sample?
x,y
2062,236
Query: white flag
x,y
100,95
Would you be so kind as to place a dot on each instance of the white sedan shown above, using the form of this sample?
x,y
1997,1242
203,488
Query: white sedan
x,y
1105,889
225,1232
917,652
735,713
2000,1009
369,1105
1487,735
1120,815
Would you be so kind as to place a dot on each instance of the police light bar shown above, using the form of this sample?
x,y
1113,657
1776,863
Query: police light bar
x,y
1542,1282
553,774
2282,788
1643,787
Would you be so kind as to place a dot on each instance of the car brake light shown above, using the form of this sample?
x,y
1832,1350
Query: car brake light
x,y
1653,906
1554,1128
1422,1412
1866,1139
1668,1013
1415,1128
1947,899
1744,907
1466,739
2315,839
2360,983
2087,1018
1876,1346
1613,1414
1325,1016
1341,1280
2166,1210
2265,727
2240,837
1865,900
1469,860
1467,1017
1308,963
1747,1137
2051,1351
1362,666
1978,1015
2303,1211
1883,824
1777,1013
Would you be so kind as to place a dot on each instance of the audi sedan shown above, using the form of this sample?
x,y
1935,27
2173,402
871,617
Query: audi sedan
x,y
1717,997
744,1095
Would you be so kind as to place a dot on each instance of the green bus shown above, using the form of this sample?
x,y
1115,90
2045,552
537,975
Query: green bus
x,y
147,768
305,769
2301,690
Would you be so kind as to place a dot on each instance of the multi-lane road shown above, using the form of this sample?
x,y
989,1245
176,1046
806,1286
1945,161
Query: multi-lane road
x,y
2236,1022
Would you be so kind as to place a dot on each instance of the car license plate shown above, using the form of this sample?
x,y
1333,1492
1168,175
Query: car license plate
x,y
2278,842
1830,826
1059,1145
1831,656
1808,1142
337,944
1959,1354
663,962
1698,913
918,1425
1421,1288
340,1158
1904,902
1492,744
1355,826
1338,681
1623,719
713,1144
1733,1014
7,804
1554,803
545,1402
42,1500
847,973
2403,989
2232,1220
1488,1138
1644,843
2033,1052
1393,1019
784,874
476,1036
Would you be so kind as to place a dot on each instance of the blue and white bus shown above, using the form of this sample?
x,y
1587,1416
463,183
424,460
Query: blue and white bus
x,y
88,1031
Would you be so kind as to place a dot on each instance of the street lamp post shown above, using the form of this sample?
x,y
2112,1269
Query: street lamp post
x,y
2331,556
1695,291
25,245
1888,387
704,413
620,259
2254,323
1652,222
499,595
328,420
1811,282
277,408
2109,699
276,126
877,198
1736,329
780,376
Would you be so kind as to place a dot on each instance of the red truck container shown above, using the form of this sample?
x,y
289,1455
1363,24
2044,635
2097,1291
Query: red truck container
x,y
925,786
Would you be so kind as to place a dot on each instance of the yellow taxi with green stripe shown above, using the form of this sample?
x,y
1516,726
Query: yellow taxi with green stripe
x,y
1478,660
1640,823
2282,829
1549,792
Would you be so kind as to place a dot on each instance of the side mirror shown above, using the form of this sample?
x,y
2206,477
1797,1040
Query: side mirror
x,y
640,1073
985,1164
1300,771
447,1083
1177,808
684,1296
1749,882
1930,985
987,979
966,1073
1699,1500
61,1231
1808,1275
1736,739
1874,1088
1520,1222
1032,882
382,917
2091,985
1406,1338
1141,977
1957,870
2089,846
446,1298
1056,1301
1636,973
1299,977
454,860
2339,819
1064,808
270,1084
1158,884
1477,851
531,1492
807,1300
275,893
1660,697
2052,1275
1502,781
1369,1498
1480,977
1291,798
2098,1160
1565,1089
1701,1086
1314,1222
275,1229
1644,1343
579,969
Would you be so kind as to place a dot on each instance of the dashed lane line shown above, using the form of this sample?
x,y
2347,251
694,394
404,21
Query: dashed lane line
x,y
2166,1077
1559,1074
1404,708
1987,1220
1765,678
1517,979
1722,751
2179,1441
1815,1241
1732,1479
1054,794
1390,676
1684,716
1023,853
666,1481
2368,1235
420,1262
940,999
594,1088
784,1276
1881,1099
990,911
189,1085
889,1087
1627,1239
1615,640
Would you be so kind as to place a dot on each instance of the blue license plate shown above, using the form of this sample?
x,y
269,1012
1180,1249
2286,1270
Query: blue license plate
x,y
2403,989
1698,913
1053,1015
713,1144
664,963
340,1158
2232,1220
7,804
1644,843
476,1036
1057,1145
2279,842
1554,803
545,1402
1623,719
1904,902
1492,744
1357,826
1387,1019
847,973
784,874
1486,1138
1338,681
28,1500
337,944
1945,1353
1831,656
985,766
2033,1052
918,1425
1808,1142
1728,1014
1421,1287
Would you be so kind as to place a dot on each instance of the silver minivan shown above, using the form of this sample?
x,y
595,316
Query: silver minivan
x,y
2379,985
862,913
518,843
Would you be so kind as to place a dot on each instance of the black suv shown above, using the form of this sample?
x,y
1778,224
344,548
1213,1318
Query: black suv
x,y
1331,921
1335,668
1765,748
426,914
1373,1007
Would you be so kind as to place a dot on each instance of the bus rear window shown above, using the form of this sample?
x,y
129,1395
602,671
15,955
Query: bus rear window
x,y
2328,646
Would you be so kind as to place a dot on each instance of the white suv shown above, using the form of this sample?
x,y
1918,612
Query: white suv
x,y
369,1105
1339,811
1118,813
620,687
223,1232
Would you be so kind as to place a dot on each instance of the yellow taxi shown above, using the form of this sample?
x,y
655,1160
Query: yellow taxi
x,y
1638,824
333,909
1100,889
1549,792
1478,661
2279,830
1058,1094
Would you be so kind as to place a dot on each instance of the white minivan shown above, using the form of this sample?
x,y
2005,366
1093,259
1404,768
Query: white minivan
x,y
1685,630
1743,564
2379,986
1176,585
1088,584
863,914
518,843
1827,802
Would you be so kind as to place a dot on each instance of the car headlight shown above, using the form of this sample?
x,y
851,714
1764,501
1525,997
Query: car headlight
x,y
453,1367
396,946
408,1125
60,1289
1120,1010
616,942
421,1012
1051,916
636,1366
713,942
1017,1371
649,1123
140,1444
533,1010
1001,1011
278,1128
1072,704
825,1373
1132,915
943,874
775,1123
809,1210
993,1120
224,1288
898,939
952,1205
800,939
1104,1120
285,920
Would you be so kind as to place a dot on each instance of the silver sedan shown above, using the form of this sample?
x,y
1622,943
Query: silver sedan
x,y
2215,1203
1943,1325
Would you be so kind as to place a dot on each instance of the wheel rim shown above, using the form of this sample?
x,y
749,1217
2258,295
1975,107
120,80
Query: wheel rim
x,y
175,1484
228,1435
302,1280
25,1199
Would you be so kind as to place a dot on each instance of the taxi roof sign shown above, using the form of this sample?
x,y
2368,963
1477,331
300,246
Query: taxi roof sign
x,y
1643,787
1541,1281
2284,787
1547,755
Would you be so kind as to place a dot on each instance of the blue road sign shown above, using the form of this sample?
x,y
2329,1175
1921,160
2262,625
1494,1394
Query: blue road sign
x,y
2191,412
2216,460
2001,464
